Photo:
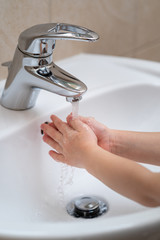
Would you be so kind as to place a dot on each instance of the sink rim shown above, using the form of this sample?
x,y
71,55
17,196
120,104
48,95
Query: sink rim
x,y
149,218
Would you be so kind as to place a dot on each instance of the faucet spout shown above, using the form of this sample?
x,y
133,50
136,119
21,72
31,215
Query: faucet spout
x,y
54,79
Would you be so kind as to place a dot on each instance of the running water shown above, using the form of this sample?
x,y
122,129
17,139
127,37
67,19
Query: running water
x,y
67,172
75,109
65,180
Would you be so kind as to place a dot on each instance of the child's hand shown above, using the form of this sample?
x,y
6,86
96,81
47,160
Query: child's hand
x,y
72,142
104,135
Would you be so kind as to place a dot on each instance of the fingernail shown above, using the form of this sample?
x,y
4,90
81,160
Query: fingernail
x,y
42,128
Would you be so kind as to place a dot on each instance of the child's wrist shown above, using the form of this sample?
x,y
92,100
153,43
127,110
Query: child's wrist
x,y
114,142
91,157
119,143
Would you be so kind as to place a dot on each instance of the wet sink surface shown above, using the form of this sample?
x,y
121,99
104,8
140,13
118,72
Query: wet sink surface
x,y
35,190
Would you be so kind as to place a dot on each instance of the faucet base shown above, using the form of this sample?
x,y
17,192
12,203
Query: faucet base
x,y
20,102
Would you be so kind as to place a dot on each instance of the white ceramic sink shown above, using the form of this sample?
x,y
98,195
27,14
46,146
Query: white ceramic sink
x,y
123,94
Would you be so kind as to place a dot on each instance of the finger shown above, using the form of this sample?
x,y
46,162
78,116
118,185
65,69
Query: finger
x,y
52,124
69,117
52,143
83,119
57,156
60,125
52,132
93,124
77,125
88,120
42,130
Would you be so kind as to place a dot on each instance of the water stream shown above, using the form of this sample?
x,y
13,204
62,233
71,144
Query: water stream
x,y
75,109
67,172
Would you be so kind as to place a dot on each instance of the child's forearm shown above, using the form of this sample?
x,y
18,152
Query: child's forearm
x,y
124,176
139,146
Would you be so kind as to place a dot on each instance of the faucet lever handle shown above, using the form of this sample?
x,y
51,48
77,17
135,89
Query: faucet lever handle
x,y
39,40
72,32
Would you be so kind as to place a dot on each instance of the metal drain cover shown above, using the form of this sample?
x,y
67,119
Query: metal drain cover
x,y
87,207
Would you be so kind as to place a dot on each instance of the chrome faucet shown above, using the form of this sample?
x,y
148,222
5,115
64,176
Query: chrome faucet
x,y
32,68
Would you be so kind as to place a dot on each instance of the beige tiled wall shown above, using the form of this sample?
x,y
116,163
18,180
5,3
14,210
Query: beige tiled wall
x,y
126,27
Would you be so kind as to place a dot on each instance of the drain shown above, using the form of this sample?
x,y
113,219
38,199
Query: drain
x,y
87,207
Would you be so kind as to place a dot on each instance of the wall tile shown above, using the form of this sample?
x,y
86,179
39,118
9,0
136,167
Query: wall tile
x,y
126,28
113,20
15,16
147,21
151,53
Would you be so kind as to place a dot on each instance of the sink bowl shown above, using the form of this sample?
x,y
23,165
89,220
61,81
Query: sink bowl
x,y
123,94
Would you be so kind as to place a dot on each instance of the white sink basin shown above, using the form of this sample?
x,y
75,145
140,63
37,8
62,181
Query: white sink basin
x,y
123,94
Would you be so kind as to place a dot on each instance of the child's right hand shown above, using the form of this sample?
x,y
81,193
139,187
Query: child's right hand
x,y
104,135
